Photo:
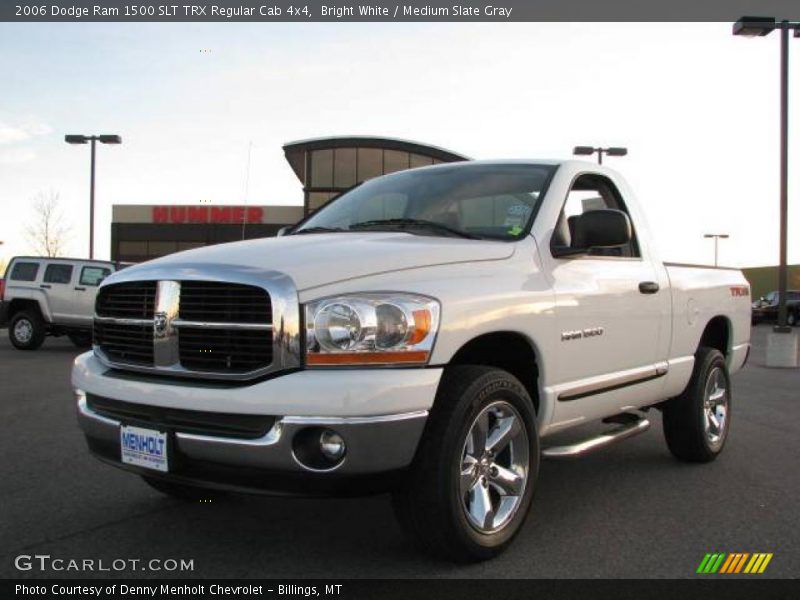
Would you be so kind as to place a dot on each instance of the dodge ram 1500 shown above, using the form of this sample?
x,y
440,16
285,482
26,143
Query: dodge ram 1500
x,y
425,333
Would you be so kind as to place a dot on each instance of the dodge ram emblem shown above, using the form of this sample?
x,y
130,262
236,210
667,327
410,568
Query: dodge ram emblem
x,y
160,323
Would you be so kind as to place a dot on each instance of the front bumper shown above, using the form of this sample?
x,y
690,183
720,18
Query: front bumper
x,y
393,403
3,314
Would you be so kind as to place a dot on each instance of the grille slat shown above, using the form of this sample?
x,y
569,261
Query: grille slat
x,y
212,351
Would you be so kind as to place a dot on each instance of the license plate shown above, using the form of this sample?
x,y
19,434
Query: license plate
x,y
144,447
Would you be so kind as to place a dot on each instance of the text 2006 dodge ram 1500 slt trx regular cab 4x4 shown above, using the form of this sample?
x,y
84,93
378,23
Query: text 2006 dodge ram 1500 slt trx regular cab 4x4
x,y
424,333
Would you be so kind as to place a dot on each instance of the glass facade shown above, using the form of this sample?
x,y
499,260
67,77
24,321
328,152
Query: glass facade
x,y
329,171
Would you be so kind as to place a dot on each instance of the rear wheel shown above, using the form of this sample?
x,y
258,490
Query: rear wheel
x,y
474,475
26,330
791,318
697,422
187,493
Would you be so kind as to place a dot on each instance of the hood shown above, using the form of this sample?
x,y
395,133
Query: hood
x,y
313,260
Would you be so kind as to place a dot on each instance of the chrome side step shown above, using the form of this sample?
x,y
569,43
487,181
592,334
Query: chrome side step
x,y
617,434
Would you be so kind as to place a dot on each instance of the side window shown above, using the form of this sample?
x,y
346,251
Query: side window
x,y
94,275
58,273
24,271
592,192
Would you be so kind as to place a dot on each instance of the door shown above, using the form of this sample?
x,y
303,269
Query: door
x,y
609,309
57,288
89,278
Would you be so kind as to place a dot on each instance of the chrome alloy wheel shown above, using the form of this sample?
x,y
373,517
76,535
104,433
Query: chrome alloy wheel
x,y
23,331
715,407
494,467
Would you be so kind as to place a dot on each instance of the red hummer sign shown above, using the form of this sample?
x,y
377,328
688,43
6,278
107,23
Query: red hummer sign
x,y
208,214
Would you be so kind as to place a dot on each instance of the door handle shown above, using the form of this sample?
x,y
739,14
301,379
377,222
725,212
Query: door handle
x,y
45,286
80,289
648,287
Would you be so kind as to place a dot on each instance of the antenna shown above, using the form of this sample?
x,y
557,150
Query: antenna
x,y
246,186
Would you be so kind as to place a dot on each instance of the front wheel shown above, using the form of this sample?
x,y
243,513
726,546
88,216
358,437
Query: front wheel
x,y
474,474
697,422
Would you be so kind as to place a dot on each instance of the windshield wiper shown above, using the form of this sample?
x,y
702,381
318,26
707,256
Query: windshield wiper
x,y
317,230
412,224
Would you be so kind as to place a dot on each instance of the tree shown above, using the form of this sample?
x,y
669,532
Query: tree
x,y
49,232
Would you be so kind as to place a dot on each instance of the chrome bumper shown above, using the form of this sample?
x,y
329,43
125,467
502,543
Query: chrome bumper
x,y
375,444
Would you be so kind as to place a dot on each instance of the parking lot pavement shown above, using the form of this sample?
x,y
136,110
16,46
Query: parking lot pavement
x,y
628,511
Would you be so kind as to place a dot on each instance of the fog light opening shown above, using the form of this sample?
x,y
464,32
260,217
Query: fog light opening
x,y
319,449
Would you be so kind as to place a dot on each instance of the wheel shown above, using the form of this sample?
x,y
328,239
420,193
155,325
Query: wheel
x,y
81,339
187,493
697,422
26,330
473,478
791,318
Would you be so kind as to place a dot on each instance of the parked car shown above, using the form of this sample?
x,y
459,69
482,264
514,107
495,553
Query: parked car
x,y
425,333
50,297
765,309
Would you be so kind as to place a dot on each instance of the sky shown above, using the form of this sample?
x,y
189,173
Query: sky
x,y
696,107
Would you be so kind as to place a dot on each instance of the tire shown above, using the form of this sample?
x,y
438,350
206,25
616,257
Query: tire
x,y
187,493
81,339
689,428
791,318
26,330
445,484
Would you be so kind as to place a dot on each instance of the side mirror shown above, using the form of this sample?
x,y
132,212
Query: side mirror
x,y
284,230
602,228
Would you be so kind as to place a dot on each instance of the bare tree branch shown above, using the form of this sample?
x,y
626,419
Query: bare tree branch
x,y
49,232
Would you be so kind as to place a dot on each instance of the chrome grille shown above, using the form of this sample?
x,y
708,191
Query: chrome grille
x,y
134,300
224,303
224,350
189,328
125,343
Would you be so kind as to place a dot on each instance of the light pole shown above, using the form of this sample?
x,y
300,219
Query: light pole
x,y
589,150
717,237
83,139
757,27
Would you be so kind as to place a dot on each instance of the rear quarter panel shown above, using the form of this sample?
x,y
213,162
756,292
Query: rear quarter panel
x,y
700,294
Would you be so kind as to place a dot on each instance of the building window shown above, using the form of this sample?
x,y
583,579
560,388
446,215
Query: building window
x,y
156,249
394,160
318,199
190,245
344,167
322,168
370,163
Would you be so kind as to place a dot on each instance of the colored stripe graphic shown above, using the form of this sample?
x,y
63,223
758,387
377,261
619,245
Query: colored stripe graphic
x,y
741,562
727,564
767,558
703,563
716,565
723,563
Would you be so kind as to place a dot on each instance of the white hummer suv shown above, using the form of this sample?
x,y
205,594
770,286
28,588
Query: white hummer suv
x,y
424,334
50,296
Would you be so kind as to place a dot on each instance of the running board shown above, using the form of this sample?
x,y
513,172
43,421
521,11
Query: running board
x,y
603,440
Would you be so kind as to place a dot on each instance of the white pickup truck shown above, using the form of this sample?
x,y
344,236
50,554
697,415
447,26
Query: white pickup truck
x,y
424,333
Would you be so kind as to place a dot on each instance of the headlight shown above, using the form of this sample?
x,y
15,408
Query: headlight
x,y
371,329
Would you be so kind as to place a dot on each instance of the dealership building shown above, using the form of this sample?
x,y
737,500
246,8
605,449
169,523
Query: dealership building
x,y
325,167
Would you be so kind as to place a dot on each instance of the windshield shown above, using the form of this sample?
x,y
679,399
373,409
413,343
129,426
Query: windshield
x,y
482,201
